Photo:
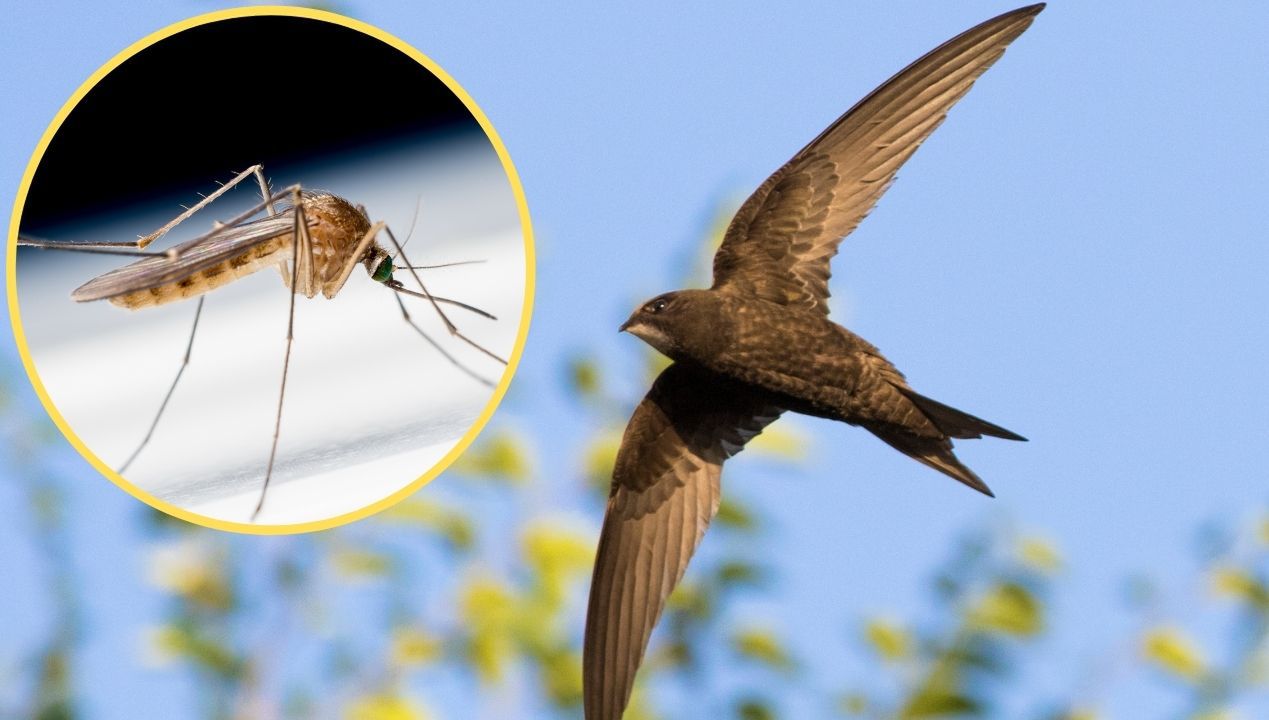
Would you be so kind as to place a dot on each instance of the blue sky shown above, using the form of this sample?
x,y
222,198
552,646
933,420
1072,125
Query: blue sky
x,y
1078,254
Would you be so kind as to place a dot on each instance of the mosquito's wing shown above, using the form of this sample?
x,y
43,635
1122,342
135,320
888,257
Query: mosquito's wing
x,y
779,245
193,256
665,490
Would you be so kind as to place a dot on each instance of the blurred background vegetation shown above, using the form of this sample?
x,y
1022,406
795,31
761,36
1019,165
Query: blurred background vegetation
x,y
359,622
467,600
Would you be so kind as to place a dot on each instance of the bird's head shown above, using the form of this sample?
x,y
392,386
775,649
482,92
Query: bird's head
x,y
662,322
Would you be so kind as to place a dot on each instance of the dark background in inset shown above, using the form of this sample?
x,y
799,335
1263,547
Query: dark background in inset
x,y
216,99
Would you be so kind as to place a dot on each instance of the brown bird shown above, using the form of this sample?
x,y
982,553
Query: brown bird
x,y
758,343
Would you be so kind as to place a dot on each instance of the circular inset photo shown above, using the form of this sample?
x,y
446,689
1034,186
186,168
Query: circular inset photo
x,y
273,270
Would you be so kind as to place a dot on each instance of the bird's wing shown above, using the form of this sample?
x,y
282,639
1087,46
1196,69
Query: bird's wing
x,y
665,491
779,244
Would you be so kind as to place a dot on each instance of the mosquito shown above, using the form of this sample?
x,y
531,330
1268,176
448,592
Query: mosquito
x,y
315,242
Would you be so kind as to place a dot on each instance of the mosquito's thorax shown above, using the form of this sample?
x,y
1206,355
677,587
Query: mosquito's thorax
x,y
336,227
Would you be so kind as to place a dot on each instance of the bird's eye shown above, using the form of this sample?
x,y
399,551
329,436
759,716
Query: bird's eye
x,y
657,305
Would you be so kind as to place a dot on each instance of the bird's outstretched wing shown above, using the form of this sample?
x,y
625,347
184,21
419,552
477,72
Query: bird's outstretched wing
x,y
779,244
665,491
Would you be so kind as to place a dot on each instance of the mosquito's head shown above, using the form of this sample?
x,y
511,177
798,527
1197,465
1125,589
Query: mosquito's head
x,y
378,263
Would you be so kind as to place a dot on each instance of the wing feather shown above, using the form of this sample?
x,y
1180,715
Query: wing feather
x,y
665,491
779,244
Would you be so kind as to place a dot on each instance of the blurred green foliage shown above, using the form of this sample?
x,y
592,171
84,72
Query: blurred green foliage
x,y
359,622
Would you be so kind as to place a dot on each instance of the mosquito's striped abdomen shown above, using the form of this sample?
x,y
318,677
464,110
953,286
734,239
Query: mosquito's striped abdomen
x,y
252,259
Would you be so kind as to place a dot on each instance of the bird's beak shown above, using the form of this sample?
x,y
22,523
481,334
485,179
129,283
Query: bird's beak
x,y
629,323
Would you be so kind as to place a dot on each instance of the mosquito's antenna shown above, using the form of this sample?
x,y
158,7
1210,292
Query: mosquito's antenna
x,y
453,330
442,265
418,205
405,314
396,285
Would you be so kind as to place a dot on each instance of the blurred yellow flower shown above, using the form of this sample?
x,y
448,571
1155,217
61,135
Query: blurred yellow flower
x,y
890,640
1258,668
1009,608
412,646
191,569
354,564
762,645
1169,649
1040,554
384,707
161,646
453,524
781,442
558,557
688,597
656,363
733,514
600,458
488,611
563,678
583,375
549,549
412,511
502,456
1240,584
639,708
853,704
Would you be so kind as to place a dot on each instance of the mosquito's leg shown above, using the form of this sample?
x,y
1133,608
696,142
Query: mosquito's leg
x,y
134,248
265,194
447,301
97,248
453,329
405,315
241,217
163,406
299,239
302,266
256,170
304,257
353,259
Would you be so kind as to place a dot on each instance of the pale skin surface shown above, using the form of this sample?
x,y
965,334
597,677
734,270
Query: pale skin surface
x,y
758,343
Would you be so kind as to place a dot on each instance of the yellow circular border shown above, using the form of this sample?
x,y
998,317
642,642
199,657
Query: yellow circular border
x,y
512,176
